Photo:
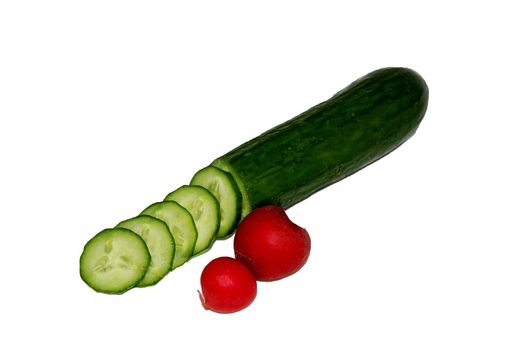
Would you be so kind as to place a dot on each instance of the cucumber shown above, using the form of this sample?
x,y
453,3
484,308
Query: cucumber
x,y
330,141
114,261
204,208
160,243
181,226
224,188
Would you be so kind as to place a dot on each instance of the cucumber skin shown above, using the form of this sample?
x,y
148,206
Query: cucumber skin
x,y
332,140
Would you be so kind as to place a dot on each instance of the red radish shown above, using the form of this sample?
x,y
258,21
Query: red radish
x,y
270,244
227,285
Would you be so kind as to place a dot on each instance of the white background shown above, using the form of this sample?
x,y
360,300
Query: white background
x,y
106,106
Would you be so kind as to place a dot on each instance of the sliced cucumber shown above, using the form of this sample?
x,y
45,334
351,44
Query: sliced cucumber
x,y
224,188
114,261
181,226
160,243
204,209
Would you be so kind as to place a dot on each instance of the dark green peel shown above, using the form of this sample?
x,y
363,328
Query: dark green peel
x,y
330,141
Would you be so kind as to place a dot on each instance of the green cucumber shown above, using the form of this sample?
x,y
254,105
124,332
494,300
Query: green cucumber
x,y
160,244
114,261
224,188
181,226
330,141
204,208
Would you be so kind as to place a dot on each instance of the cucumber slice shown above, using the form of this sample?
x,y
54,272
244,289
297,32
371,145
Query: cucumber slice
x,y
224,188
114,261
160,243
181,226
204,209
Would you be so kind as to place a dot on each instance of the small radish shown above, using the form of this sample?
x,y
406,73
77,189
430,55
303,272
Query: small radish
x,y
227,286
270,244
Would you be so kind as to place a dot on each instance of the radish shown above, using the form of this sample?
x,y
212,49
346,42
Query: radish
x,y
270,244
227,286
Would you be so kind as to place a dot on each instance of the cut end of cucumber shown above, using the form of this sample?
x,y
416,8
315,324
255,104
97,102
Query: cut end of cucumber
x,y
224,188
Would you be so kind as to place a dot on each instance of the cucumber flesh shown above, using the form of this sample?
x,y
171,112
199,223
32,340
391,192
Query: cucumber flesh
x,y
181,226
114,261
224,188
204,209
160,243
